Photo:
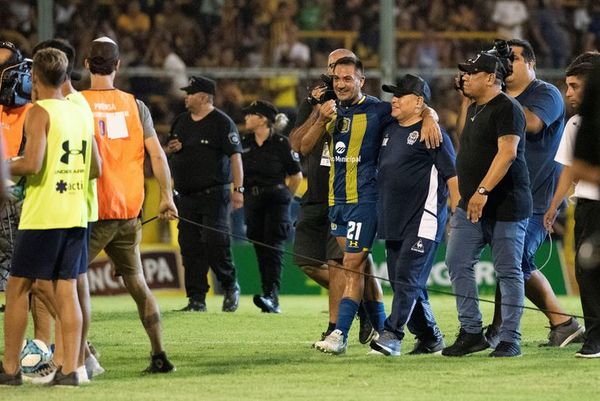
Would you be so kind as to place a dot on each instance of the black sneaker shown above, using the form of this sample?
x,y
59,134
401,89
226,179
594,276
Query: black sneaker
x,y
588,351
160,364
428,346
466,343
506,349
61,379
231,299
564,334
366,332
267,303
194,306
2,307
492,335
10,380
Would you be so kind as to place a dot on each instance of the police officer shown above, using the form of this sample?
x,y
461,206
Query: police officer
x,y
268,160
204,156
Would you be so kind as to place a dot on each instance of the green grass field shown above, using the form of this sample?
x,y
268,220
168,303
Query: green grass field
x,y
248,355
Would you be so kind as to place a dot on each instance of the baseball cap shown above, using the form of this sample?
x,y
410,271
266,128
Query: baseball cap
x,y
200,84
410,84
484,62
104,50
262,108
66,48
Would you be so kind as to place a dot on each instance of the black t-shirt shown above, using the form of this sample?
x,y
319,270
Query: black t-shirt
x,y
269,164
204,158
511,199
587,145
316,164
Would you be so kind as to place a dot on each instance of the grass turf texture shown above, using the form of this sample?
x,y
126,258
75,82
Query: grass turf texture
x,y
248,355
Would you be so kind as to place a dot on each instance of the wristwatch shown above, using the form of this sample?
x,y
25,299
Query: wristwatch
x,y
483,191
239,189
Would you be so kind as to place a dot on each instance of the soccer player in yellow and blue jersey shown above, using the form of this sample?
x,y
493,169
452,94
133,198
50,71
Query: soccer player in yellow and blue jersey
x,y
355,122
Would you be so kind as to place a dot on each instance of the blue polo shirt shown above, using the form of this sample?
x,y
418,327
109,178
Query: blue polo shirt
x,y
546,102
413,194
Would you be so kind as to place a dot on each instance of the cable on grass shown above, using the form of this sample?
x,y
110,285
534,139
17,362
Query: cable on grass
x,y
322,263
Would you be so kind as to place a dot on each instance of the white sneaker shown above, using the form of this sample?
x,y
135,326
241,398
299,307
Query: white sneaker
x,y
43,375
333,344
82,375
92,366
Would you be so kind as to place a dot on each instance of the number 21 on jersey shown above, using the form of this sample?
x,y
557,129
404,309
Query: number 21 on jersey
x,y
353,233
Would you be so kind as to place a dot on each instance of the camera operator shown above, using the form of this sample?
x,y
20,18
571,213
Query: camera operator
x,y
494,207
544,114
15,96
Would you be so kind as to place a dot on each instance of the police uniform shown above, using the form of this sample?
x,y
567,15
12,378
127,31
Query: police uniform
x,y
202,175
266,203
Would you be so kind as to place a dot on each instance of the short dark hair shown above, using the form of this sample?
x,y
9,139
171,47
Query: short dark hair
x,y
528,53
61,45
583,64
350,61
50,66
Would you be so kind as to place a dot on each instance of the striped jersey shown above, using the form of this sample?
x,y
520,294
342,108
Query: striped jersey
x,y
356,133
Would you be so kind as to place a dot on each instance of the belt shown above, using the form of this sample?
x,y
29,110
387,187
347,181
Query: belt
x,y
205,191
259,189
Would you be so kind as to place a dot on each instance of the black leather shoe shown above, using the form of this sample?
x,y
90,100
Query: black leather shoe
x,y
193,306
267,303
231,300
160,364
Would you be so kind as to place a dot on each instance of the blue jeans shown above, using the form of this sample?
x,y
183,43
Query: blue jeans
x,y
536,234
465,244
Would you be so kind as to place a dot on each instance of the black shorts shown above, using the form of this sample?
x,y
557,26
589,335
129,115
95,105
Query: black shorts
x,y
313,236
49,254
85,253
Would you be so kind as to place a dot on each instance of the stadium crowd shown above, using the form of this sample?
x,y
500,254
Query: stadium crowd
x,y
176,34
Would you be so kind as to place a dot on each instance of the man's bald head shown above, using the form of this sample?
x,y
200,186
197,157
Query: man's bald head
x,y
336,55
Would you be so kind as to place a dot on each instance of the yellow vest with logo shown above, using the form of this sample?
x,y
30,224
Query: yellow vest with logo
x,y
55,197
92,194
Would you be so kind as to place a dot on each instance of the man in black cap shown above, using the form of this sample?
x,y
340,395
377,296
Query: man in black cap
x,y
413,184
205,157
494,207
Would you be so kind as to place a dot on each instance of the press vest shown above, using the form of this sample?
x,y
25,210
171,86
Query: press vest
x,y
92,196
11,125
55,197
120,138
